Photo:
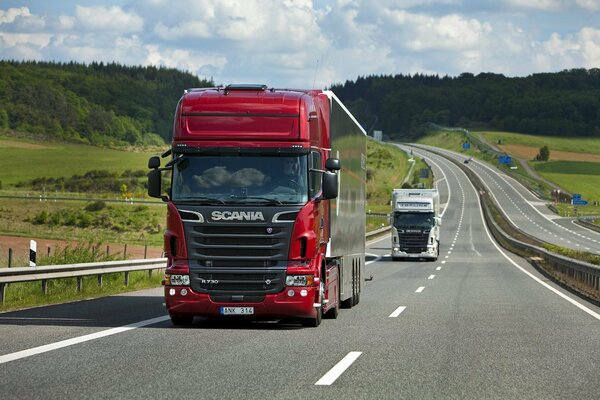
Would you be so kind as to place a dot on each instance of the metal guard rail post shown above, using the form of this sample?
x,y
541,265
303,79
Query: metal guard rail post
x,y
31,274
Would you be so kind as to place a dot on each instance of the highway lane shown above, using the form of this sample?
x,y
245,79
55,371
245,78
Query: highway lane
x,y
529,213
472,325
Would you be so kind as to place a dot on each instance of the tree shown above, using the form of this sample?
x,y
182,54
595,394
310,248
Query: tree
x,y
544,154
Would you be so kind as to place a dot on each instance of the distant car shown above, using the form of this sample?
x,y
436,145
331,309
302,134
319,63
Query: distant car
x,y
466,161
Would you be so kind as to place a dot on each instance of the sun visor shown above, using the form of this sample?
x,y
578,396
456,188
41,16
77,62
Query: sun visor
x,y
235,126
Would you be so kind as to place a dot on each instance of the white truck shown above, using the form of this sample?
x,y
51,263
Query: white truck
x,y
415,224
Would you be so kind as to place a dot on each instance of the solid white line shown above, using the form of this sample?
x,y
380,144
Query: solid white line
x,y
535,278
69,342
339,368
420,289
377,258
397,312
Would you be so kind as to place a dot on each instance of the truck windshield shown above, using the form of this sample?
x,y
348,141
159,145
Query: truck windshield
x,y
413,220
269,180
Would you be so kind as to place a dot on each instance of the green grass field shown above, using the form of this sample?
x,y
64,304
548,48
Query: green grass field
x,y
568,167
23,160
573,144
573,176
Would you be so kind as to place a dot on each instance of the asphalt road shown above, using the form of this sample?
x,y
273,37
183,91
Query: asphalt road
x,y
478,323
527,212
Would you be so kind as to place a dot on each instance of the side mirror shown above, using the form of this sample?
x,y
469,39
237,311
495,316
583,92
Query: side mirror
x,y
154,184
330,185
438,221
154,162
332,164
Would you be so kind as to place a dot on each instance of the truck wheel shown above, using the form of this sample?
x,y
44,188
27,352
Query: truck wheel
x,y
314,322
182,320
333,313
348,303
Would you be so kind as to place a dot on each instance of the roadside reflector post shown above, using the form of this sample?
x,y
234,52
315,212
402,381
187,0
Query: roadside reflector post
x,y
32,252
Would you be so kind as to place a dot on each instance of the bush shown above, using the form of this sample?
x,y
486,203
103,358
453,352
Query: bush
x,y
41,218
96,206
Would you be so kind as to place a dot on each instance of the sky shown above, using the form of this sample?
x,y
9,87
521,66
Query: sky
x,y
308,43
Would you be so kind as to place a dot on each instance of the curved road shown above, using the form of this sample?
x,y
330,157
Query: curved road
x,y
478,323
526,211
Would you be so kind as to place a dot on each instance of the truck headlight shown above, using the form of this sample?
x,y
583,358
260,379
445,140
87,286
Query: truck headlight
x,y
177,280
299,280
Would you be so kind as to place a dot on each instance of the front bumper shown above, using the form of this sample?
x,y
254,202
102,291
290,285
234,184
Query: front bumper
x,y
430,253
281,305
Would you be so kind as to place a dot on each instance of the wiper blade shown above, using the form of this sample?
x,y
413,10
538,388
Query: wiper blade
x,y
243,200
200,200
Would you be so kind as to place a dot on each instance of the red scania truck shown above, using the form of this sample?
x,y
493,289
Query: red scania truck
x,y
266,205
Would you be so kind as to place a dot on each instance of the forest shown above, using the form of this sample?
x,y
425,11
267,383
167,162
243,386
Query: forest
x,y
115,105
565,103
100,104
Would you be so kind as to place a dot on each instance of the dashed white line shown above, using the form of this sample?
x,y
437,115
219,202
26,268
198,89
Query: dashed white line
x,y
397,312
431,277
438,269
339,369
420,289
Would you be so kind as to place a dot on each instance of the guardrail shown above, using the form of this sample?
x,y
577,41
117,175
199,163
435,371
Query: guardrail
x,y
43,274
578,276
32,274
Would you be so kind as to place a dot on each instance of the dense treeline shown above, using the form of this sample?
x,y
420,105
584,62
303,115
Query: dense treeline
x,y
101,104
565,103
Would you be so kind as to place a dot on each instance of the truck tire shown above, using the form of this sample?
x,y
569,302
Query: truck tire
x,y
313,322
333,313
182,320
350,302
357,290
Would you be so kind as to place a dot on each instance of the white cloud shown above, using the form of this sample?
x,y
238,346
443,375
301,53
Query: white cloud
x,y
29,39
112,19
554,5
590,5
573,51
184,59
11,14
542,5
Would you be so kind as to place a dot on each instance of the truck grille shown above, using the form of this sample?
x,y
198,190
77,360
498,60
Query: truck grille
x,y
238,260
234,242
413,242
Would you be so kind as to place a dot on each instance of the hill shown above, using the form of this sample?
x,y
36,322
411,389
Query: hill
x,y
99,104
565,103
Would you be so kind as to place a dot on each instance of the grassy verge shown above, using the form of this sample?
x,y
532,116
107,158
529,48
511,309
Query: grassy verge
x,y
29,294
83,221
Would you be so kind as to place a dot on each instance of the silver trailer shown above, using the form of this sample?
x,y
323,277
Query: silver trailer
x,y
347,211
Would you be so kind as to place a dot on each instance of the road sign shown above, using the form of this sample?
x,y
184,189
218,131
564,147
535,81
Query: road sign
x,y
466,146
579,202
505,160
576,196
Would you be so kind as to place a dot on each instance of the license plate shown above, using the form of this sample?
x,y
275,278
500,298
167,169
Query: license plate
x,y
237,310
